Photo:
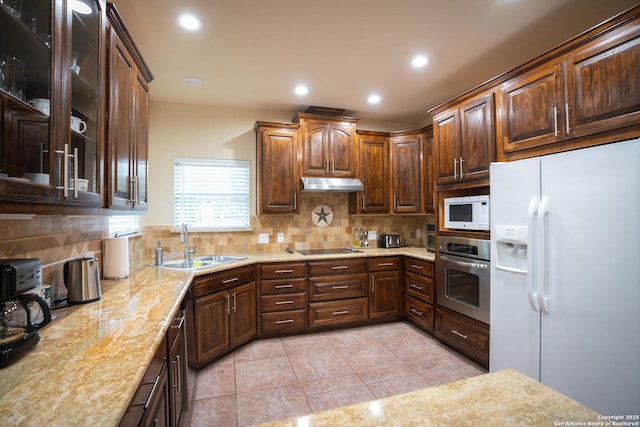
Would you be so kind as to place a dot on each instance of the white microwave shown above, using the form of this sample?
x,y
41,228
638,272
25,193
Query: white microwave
x,y
467,213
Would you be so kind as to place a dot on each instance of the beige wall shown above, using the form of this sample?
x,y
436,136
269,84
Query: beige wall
x,y
185,130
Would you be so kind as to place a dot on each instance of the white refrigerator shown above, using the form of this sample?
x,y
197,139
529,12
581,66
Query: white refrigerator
x,y
565,273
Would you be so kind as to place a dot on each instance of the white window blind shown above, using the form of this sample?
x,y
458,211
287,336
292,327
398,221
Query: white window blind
x,y
120,225
211,194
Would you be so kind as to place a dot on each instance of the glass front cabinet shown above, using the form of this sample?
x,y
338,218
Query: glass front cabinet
x,y
52,108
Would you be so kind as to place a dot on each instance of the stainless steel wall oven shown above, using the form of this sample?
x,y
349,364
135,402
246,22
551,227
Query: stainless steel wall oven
x,y
463,276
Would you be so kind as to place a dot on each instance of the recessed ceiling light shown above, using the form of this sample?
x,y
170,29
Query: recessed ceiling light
x,y
80,7
189,22
193,81
419,61
301,90
374,99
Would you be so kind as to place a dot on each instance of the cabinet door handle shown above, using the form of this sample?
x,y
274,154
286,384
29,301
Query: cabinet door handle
x,y
415,287
414,311
461,160
333,166
283,286
566,117
234,302
555,121
284,302
339,267
326,165
458,334
65,170
234,279
75,172
336,313
228,304
295,201
363,202
385,264
419,267
373,284
280,322
455,168
340,287
395,204
283,271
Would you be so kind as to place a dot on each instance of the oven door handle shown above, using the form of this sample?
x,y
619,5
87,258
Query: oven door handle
x,y
465,264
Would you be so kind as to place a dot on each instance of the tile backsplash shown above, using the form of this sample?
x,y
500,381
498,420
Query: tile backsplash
x,y
56,239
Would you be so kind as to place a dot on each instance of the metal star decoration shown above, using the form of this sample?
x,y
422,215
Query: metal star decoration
x,y
322,215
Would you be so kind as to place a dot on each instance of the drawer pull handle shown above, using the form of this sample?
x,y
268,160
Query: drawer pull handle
x,y
419,267
340,287
415,287
280,322
385,264
283,286
284,302
283,271
234,279
335,313
339,267
414,311
459,334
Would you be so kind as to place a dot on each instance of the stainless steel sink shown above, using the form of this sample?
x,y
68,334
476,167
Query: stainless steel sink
x,y
201,262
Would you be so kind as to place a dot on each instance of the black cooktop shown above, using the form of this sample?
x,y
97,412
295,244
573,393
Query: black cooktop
x,y
326,251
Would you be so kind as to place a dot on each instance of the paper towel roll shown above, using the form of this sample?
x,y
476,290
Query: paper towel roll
x,y
115,258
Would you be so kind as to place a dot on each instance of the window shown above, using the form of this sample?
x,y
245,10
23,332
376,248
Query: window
x,y
211,195
120,225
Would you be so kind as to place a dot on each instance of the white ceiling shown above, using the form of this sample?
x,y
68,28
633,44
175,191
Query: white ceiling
x,y
252,53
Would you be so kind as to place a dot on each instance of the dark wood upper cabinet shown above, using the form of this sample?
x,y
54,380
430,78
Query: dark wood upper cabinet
x,y
583,93
464,141
128,125
374,174
58,58
407,172
278,167
329,146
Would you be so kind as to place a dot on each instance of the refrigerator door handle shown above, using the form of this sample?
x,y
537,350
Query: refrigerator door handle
x,y
531,254
543,256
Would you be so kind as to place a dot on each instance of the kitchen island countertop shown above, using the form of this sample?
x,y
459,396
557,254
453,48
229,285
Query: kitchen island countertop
x,y
502,398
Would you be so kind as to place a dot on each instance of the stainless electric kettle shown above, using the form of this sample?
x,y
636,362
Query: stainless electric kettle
x,y
82,279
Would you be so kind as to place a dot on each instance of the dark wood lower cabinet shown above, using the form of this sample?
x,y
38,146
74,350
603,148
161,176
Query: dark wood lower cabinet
x,y
222,321
161,398
419,312
383,294
466,335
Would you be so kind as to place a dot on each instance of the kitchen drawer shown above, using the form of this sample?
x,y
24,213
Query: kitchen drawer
x,y
384,264
418,266
337,287
283,286
463,333
419,312
282,302
282,322
337,266
419,287
210,283
338,312
283,269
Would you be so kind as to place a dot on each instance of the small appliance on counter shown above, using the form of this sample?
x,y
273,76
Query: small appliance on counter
x,y
82,279
389,241
115,258
18,332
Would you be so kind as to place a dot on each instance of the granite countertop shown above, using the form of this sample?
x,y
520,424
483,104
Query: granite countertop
x,y
91,357
504,398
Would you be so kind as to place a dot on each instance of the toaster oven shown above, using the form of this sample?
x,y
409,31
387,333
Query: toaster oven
x,y
389,241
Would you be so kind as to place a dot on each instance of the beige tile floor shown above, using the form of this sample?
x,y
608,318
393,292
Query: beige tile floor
x,y
272,379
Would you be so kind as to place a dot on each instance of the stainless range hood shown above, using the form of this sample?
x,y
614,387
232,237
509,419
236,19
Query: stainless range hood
x,y
331,184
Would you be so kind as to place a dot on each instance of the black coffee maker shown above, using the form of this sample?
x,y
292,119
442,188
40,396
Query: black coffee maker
x,y
21,314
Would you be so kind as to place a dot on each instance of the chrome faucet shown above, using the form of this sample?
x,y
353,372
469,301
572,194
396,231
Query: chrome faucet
x,y
184,238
